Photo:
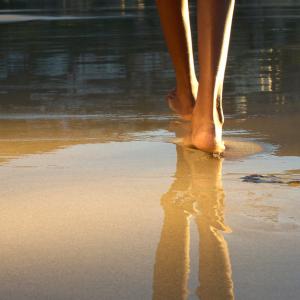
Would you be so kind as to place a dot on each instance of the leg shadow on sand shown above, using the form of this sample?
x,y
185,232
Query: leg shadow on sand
x,y
195,193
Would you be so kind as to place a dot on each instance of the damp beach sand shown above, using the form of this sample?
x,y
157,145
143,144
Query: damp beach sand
x,y
100,199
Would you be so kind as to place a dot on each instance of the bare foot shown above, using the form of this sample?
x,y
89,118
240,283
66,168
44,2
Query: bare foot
x,y
182,103
206,136
183,110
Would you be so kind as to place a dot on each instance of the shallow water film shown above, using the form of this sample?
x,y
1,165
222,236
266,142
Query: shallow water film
x,y
100,199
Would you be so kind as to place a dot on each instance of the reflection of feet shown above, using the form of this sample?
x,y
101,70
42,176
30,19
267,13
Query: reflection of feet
x,y
212,223
182,103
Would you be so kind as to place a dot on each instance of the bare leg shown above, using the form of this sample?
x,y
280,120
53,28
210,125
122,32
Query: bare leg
x,y
174,17
214,26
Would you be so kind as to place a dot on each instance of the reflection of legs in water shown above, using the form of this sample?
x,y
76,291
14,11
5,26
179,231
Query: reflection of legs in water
x,y
172,256
197,189
207,190
174,16
214,266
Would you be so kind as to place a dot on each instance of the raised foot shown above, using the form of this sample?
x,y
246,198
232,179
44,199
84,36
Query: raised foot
x,y
182,105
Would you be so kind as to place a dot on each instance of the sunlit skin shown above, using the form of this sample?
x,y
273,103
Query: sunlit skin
x,y
196,192
214,19
175,21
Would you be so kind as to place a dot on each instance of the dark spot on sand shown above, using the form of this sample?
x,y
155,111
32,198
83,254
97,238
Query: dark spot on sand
x,y
257,178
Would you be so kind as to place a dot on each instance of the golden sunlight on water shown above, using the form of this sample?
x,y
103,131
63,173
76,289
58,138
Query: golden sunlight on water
x,y
98,199
66,219
85,222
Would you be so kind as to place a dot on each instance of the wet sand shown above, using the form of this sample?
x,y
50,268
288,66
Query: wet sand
x,y
99,200
91,218
137,219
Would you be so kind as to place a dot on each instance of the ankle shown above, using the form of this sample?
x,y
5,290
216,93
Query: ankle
x,y
204,126
205,114
185,97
